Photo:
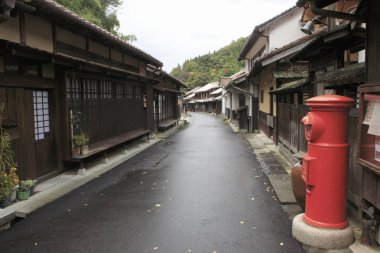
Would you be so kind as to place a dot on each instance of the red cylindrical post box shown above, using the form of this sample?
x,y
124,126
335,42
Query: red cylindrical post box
x,y
325,166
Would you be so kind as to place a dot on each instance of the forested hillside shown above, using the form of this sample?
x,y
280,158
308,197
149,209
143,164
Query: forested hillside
x,y
100,12
210,67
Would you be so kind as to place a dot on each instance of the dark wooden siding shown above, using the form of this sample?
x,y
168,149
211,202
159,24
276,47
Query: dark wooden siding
x,y
263,123
354,177
107,107
290,129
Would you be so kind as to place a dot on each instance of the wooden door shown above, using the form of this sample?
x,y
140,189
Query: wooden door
x,y
43,137
255,113
243,119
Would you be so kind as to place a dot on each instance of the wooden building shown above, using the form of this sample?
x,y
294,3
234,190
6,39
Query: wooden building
x,y
166,99
203,100
354,73
60,74
265,40
241,101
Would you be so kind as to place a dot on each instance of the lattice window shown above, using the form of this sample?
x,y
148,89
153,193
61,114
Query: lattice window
x,y
91,89
120,91
41,114
73,88
159,106
138,92
106,90
129,91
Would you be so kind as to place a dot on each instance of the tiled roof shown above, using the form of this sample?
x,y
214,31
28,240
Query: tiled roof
x,y
300,43
216,91
208,87
174,79
192,91
257,32
50,7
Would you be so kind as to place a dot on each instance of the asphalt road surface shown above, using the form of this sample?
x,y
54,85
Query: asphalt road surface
x,y
201,190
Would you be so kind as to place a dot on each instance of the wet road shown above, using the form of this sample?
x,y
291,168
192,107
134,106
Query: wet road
x,y
201,190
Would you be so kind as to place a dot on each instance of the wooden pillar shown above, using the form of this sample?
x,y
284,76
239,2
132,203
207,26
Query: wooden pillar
x,y
373,41
149,107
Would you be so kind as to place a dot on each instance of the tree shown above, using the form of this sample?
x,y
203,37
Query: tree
x,y
100,12
212,66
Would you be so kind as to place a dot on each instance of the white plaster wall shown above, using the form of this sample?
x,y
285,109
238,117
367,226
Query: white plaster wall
x,y
235,100
224,102
361,56
286,31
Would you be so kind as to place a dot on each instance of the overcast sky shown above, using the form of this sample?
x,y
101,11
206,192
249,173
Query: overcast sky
x,y
176,30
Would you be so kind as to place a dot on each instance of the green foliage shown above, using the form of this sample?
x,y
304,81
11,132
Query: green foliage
x,y
100,12
212,66
25,185
80,140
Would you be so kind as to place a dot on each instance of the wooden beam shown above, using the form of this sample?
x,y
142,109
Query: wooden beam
x,y
7,80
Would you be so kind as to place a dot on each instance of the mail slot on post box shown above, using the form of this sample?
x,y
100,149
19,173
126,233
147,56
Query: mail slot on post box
x,y
324,167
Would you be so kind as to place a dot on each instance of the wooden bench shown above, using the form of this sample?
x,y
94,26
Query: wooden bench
x,y
102,147
163,125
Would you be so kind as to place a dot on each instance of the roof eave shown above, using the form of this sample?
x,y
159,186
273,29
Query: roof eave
x,y
49,7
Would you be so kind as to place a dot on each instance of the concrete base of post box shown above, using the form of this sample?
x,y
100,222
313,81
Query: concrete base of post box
x,y
321,237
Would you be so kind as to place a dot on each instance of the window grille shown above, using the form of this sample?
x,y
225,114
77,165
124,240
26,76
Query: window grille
x,y
106,90
41,114
129,91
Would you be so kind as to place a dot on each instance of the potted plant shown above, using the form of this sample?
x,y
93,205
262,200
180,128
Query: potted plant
x,y
8,176
32,186
13,181
23,190
5,189
81,141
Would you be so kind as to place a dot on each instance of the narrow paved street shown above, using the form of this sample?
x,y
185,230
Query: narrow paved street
x,y
201,190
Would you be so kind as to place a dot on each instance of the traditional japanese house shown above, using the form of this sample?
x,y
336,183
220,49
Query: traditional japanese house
x,y
225,96
166,99
349,70
216,102
61,75
240,98
266,38
188,100
203,100
292,88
